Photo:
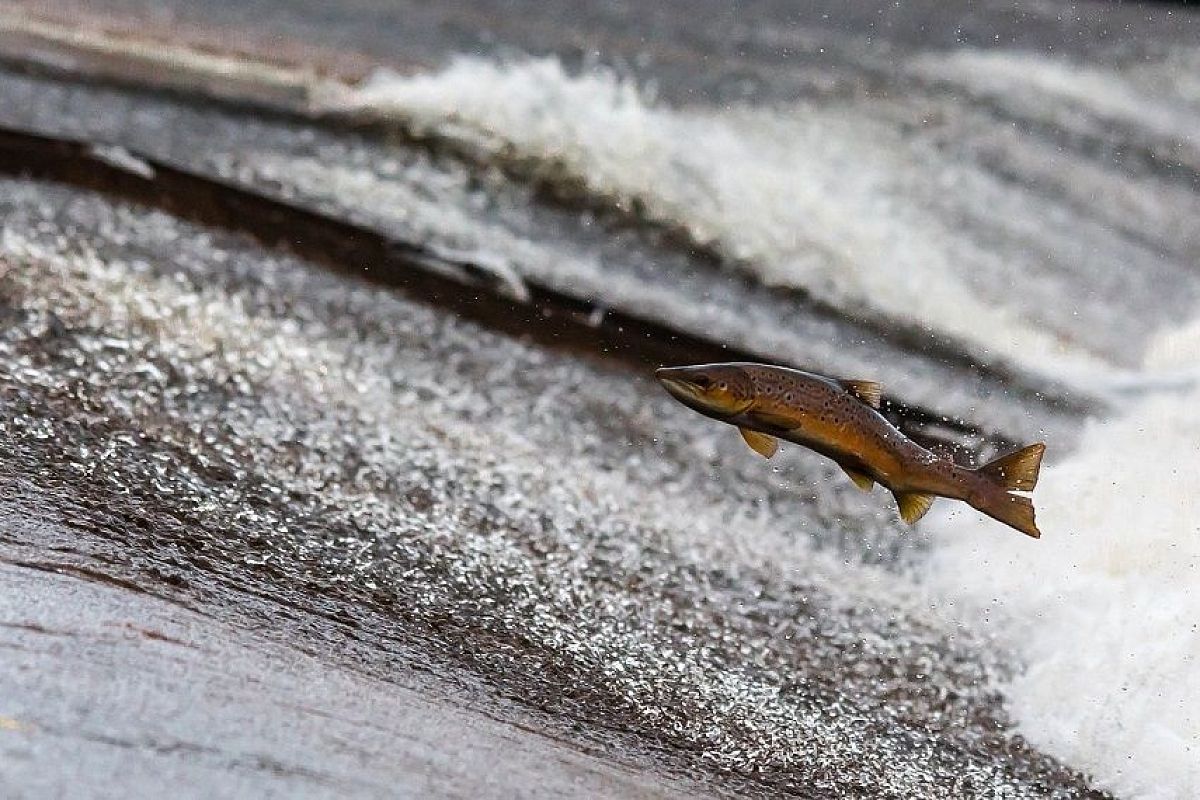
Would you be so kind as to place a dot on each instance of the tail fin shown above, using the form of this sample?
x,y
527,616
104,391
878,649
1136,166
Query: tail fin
x,y
1014,510
1016,471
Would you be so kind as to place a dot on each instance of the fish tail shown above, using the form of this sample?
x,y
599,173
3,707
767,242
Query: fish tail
x,y
1015,472
1013,510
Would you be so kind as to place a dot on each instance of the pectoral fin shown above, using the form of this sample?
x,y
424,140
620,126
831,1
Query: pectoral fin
x,y
869,392
861,479
913,505
760,443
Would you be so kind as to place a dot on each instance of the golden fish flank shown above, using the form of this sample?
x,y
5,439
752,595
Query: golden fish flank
x,y
840,420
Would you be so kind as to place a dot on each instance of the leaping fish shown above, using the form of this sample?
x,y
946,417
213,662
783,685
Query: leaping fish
x,y
840,420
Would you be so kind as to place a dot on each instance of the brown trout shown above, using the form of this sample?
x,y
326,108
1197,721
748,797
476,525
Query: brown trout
x,y
840,420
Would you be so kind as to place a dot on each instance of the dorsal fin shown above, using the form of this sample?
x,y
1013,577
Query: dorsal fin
x,y
760,443
867,391
1016,471
913,505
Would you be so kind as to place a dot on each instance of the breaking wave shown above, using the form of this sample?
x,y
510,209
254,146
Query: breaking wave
x,y
810,197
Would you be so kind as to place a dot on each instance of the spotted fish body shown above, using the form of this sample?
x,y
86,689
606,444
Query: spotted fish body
x,y
840,420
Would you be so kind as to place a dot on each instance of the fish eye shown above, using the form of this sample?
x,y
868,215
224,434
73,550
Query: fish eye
x,y
722,385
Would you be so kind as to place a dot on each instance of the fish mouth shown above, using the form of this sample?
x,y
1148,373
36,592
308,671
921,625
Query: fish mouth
x,y
675,381
680,384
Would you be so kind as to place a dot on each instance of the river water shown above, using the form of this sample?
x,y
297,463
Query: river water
x,y
1000,228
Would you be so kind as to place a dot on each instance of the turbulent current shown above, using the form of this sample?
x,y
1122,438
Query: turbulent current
x,y
999,236
1049,271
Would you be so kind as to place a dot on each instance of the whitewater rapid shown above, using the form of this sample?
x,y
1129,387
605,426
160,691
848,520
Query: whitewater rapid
x,y
840,200
1102,613
803,197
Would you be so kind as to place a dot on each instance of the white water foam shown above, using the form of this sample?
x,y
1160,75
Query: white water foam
x,y
810,197
1104,610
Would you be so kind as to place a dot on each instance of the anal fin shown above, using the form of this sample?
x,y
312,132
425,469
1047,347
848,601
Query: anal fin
x,y
861,479
913,505
761,443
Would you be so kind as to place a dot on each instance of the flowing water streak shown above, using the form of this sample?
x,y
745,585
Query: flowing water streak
x,y
1102,610
362,392
805,196
1161,97
1105,609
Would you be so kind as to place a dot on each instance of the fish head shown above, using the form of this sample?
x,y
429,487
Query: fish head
x,y
715,390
